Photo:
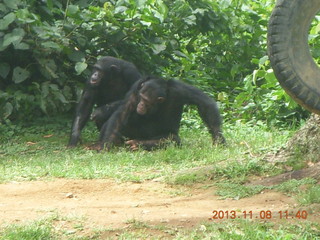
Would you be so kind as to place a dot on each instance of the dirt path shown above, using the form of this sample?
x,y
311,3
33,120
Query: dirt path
x,y
109,204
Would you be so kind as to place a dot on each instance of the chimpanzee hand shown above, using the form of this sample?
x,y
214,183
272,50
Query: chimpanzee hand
x,y
134,144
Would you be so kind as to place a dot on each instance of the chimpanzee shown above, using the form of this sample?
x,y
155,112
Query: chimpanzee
x,y
110,80
151,114
104,112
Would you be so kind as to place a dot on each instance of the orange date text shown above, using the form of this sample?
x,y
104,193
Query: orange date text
x,y
263,214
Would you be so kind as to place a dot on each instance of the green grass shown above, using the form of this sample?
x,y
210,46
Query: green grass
x,y
310,196
242,229
30,155
36,230
237,229
38,152
54,227
293,186
237,191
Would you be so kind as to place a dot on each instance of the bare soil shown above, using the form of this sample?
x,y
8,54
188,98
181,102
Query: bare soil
x,y
108,204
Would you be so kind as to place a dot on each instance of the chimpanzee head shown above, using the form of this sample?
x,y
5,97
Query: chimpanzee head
x,y
152,93
104,70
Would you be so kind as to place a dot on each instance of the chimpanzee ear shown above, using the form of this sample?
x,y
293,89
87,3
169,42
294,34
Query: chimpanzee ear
x,y
115,68
161,99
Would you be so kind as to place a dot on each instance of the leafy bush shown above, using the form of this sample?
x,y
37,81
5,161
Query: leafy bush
x,y
34,49
264,99
47,46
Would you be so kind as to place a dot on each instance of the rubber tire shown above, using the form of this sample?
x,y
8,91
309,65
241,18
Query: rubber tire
x,y
289,51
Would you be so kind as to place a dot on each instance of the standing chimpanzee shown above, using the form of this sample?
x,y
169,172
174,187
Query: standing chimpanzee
x,y
110,80
151,114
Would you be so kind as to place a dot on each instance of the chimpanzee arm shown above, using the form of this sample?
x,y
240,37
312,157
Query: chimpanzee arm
x,y
110,133
207,108
83,111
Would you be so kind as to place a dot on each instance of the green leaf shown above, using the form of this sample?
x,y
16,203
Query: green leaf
x,y
200,11
222,96
60,96
72,9
255,61
180,54
234,70
158,15
12,3
158,48
76,56
4,69
141,3
163,9
20,75
24,16
54,87
317,28
144,23
8,109
14,37
82,41
120,9
191,20
21,46
263,60
52,45
7,20
225,3
45,89
80,67
257,74
271,78
50,4
10,38
43,105
51,67
3,8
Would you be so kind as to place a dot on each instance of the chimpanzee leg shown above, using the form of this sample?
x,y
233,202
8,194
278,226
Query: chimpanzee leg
x,y
108,137
83,112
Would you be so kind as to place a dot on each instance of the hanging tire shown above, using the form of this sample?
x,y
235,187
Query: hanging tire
x,y
289,51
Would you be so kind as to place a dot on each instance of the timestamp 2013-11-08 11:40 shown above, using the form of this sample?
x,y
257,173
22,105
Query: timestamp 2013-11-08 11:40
x,y
262,214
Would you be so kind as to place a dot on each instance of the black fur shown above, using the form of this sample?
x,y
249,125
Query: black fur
x,y
151,113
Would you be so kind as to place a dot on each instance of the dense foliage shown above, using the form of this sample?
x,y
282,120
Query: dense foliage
x,y
47,47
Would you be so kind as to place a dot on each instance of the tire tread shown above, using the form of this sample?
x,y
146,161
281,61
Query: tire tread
x,y
281,62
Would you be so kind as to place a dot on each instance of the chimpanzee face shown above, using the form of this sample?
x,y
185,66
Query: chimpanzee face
x,y
102,74
96,76
151,95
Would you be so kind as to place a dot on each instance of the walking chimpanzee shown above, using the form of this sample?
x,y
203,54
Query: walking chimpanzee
x,y
110,80
151,114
